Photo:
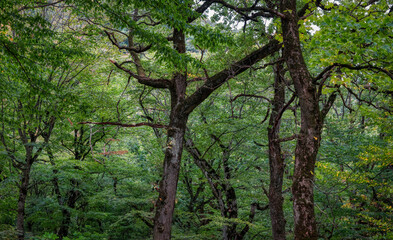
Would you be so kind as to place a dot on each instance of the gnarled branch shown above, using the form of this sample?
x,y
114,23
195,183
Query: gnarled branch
x,y
233,70
156,83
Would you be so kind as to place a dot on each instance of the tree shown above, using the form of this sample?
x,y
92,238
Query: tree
x,y
329,74
182,102
40,83
309,92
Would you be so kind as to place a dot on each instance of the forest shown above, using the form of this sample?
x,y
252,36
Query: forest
x,y
196,119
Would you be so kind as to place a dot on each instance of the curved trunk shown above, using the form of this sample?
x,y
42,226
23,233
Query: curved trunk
x,y
276,160
311,123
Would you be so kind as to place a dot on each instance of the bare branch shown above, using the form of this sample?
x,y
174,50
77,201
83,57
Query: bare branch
x,y
368,102
268,64
263,11
201,9
40,5
282,110
89,21
326,75
153,125
250,95
266,116
328,105
322,74
156,83
114,42
352,67
369,67
286,139
260,144
344,102
233,70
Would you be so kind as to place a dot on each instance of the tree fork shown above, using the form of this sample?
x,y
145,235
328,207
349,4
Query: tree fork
x,y
165,203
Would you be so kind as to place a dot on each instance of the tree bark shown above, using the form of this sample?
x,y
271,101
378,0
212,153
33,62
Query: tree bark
x,y
177,126
181,107
312,119
167,192
23,188
276,160
229,230
311,124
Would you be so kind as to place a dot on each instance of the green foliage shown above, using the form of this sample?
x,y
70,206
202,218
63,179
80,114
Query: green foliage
x,y
54,65
353,184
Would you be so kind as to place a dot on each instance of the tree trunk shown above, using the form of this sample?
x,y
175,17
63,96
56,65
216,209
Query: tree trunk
x,y
276,160
230,194
23,188
310,132
177,126
181,107
167,192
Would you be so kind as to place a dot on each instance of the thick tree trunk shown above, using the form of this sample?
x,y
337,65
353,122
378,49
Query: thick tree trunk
x,y
276,160
167,192
23,188
311,123
180,110
177,126
303,177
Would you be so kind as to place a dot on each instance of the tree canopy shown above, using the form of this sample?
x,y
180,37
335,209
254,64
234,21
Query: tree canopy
x,y
196,119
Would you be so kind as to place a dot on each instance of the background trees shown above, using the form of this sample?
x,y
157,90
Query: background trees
x,y
83,138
